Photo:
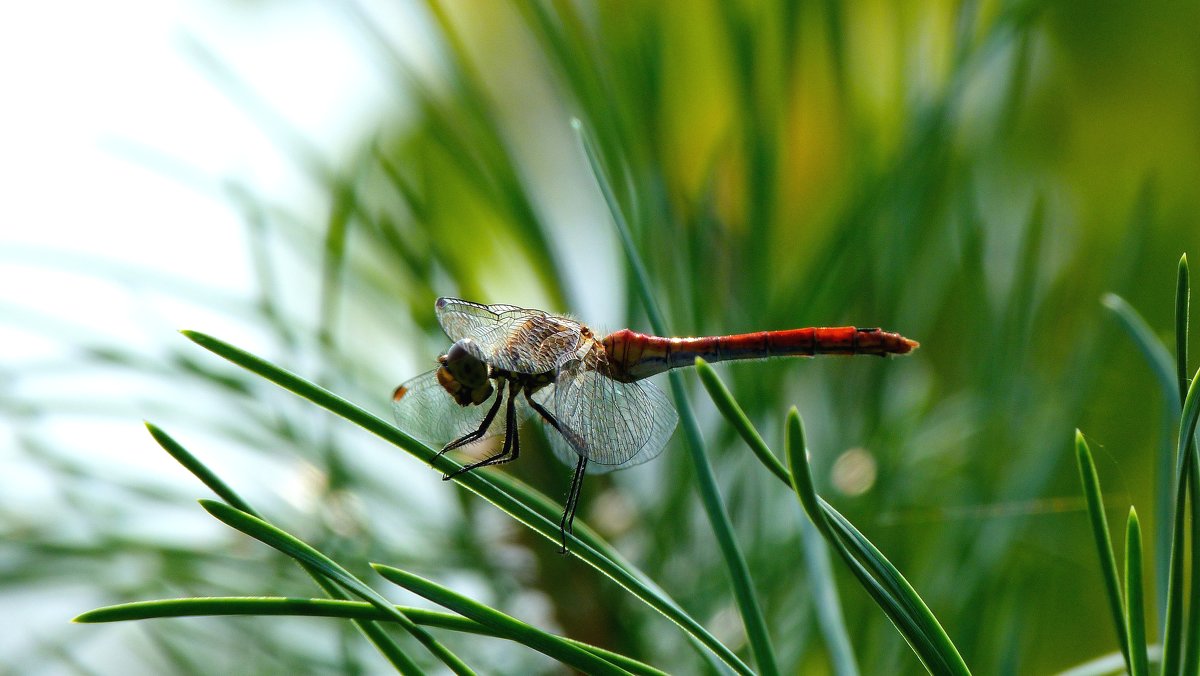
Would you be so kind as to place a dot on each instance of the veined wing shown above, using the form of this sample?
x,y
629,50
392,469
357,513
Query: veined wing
x,y
427,412
512,338
614,424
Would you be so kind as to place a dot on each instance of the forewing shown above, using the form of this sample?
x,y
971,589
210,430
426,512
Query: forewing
x,y
614,424
512,338
486,324
427,412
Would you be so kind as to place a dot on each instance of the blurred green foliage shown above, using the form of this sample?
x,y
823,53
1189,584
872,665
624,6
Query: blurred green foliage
x,y
975,175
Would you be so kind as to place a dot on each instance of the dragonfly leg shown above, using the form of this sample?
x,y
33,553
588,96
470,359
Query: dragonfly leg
x,y
566,526
483,426
512,441
567,433
541,410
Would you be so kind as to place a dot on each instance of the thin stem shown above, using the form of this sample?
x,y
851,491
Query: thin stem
x,y
1100,533
710,493
1135,612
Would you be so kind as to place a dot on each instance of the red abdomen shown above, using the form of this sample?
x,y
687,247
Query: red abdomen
x,y
633,356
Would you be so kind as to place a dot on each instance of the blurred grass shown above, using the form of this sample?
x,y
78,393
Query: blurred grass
x,y
974,175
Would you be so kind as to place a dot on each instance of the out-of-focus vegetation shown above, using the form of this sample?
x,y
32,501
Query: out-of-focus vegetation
x,y
976,175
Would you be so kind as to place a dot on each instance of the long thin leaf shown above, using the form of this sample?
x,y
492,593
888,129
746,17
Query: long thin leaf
x,y
201,471
900,588
216,606
1103,539
284,542
302,607
1183,294
1135,611
728,406
816,552
806,492
832,622
1155,353
1159,359
1191,652
1191,648
386,645
1173,626
519,501
505,624
710,493
931,635
1173,622
905,608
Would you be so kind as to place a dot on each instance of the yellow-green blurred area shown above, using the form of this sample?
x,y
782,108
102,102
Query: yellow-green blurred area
x,y
974,175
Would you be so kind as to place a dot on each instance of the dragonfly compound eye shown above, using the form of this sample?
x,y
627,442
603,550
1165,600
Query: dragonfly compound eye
x,y
464,361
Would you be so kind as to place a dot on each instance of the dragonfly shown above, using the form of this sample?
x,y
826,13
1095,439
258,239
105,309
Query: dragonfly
x,y
591,391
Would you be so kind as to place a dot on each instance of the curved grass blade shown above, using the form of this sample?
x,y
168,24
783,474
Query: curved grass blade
x,y
1191,648
374,633
507,625
1151,347
284,542
1183,293
513,497
1108,562
898,588
739,571
1191,653
1173,626
1135,611
829,607
1166,464
805,491
217,606
293,606
728,406
303,607
201,471
902,604
816,553
710,494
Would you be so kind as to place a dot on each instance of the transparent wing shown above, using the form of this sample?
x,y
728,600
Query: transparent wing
x,y
614,424
512,338
426,411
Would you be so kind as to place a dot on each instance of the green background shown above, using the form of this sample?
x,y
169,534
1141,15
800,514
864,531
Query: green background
x,y
974,175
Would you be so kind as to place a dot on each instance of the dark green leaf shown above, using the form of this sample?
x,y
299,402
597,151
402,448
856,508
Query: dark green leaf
x,y
1135,611
295,548
1100,532
710,495
887,586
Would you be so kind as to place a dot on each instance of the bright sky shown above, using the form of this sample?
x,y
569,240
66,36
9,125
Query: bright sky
x,y
114,137
114,141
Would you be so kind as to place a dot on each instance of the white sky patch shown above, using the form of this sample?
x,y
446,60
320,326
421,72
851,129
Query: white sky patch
x,y
97,92
114,146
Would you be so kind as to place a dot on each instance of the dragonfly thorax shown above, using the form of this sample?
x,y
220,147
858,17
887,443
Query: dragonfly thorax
x,y
464,374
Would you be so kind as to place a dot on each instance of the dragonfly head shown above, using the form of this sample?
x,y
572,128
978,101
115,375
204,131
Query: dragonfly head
x,y
464,373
